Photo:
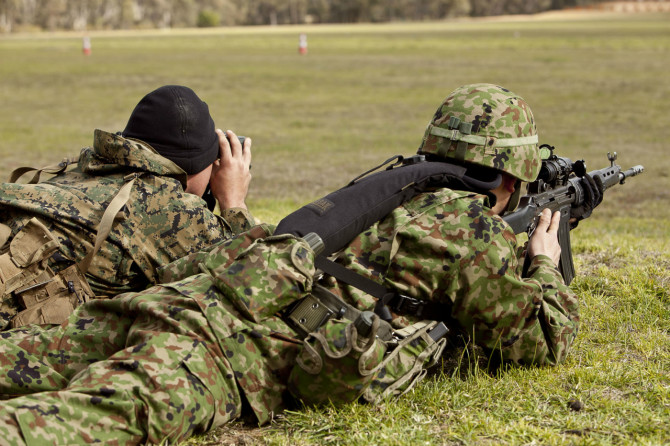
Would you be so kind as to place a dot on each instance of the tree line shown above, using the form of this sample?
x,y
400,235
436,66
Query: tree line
x,y
79,15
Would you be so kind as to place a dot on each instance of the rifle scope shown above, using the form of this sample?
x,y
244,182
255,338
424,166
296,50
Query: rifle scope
x,y
557,169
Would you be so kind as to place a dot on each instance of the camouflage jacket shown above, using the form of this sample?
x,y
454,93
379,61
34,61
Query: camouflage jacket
x,y
447,246
160,222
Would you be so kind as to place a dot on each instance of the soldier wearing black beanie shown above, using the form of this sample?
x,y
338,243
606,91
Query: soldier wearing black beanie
x,y
128,204
176,123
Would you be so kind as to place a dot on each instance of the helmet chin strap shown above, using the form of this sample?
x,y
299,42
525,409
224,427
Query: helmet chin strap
x,y
514,198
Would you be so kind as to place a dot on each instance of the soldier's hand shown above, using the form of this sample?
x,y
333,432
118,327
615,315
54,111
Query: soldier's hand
x,y
593,196
545,238
230,173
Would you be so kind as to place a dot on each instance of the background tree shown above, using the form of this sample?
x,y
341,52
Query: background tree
x,y
128,14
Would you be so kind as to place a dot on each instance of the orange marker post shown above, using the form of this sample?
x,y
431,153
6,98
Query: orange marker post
x,y
86,45
302,45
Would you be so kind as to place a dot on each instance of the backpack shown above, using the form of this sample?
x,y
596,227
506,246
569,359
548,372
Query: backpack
x,y
30,291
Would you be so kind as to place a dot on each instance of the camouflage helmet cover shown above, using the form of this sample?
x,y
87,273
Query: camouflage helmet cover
x,y
487,125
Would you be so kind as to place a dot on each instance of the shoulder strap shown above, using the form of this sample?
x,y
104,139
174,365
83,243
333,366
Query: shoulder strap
x,y
341,215
387,299
53,169
107,220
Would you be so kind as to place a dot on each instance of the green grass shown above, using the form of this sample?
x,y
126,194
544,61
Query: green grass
x,y
618,372
596,84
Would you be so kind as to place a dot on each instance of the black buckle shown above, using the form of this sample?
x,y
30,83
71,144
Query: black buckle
x,y
408,305
414,159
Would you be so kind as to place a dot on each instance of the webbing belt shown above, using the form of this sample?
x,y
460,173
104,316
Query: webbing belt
x,y
387,299
313,311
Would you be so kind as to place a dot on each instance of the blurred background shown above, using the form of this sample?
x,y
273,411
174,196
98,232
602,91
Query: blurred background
x,y
324,101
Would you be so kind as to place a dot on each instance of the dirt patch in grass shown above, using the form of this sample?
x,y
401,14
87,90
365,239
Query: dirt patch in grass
x,y
233,434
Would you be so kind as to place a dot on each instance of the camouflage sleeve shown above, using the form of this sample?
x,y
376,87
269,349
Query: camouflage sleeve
x,y
559,313
189,265
530,320
238,219
521,248
184,267
262,274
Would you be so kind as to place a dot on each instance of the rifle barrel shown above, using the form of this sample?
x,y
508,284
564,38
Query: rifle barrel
x,y
635,170
613,175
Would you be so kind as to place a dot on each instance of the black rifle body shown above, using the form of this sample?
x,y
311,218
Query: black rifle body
x,y
558,188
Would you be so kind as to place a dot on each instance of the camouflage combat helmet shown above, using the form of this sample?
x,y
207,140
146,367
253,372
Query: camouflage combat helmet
x,y
487,125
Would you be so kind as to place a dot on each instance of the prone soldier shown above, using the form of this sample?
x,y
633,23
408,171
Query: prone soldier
x,y
132,204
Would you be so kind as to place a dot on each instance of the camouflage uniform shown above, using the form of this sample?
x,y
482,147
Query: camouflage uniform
x,y
160,221
447,246
174,360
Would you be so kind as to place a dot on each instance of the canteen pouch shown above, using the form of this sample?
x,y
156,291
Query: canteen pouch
x,y
335,364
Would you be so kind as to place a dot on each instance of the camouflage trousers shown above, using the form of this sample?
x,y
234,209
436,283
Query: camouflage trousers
x,y
165,363
106,377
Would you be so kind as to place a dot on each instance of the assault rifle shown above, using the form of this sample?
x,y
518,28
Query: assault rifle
x,y
558,188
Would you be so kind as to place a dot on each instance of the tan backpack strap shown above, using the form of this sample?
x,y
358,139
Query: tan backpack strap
x,y
107,221
53,169
5,232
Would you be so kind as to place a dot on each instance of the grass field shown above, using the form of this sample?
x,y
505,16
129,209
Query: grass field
x,y
596,83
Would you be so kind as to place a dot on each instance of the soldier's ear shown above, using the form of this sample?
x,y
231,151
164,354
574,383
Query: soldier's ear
x,y
509,183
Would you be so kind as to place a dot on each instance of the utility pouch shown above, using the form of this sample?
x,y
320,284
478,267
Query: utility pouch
x,y
30,288
337,363
344,361
26,257
51,301
413,351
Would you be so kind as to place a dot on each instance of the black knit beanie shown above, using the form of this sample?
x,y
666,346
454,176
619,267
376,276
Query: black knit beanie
x,y
175,122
